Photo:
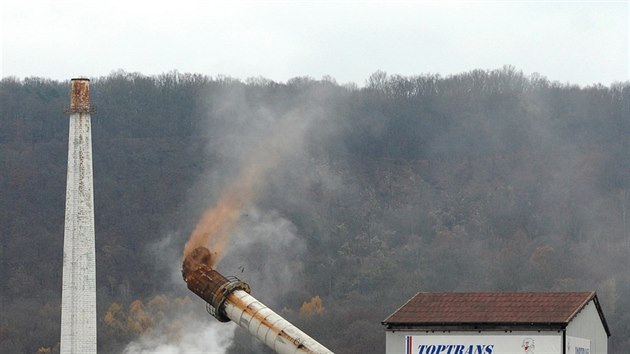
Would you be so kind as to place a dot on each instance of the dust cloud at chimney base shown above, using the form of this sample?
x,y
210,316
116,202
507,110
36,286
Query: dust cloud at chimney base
x,y
196,335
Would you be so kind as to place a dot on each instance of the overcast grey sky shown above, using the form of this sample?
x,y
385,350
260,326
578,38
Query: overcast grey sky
x,y
578,42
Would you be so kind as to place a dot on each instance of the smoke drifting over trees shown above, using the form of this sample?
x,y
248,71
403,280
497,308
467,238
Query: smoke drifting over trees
x,y
483,181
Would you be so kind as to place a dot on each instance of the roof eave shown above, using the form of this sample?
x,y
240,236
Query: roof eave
x,y
601,314
400,307
502,326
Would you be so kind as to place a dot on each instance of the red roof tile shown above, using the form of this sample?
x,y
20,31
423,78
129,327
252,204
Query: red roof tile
x,y
497,307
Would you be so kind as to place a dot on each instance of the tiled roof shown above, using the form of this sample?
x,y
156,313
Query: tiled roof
x,y
491,308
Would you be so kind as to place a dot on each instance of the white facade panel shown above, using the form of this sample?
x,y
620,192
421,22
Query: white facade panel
x,y
588,325
487,342
578,345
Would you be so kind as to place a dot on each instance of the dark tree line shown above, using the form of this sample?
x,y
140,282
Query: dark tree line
x,y
482,181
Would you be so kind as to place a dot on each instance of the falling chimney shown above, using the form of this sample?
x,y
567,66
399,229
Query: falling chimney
x,y
228,298
78,299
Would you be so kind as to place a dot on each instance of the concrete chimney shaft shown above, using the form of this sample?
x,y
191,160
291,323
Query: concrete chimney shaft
x,y
78,297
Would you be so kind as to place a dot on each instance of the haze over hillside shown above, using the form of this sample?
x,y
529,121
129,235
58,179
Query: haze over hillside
x,y
481,181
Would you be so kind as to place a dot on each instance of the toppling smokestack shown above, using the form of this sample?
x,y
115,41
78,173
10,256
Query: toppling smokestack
x,y
228,299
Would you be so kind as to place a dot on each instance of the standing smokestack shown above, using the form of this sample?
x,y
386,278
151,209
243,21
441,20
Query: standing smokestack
x,y
78,298
228,299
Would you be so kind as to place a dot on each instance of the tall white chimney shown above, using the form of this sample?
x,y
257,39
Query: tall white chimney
x,y
78,304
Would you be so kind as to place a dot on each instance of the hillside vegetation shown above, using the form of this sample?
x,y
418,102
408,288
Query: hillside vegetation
x,y
482,181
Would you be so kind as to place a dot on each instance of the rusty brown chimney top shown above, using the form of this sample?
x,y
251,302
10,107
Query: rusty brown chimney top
x,y
80,95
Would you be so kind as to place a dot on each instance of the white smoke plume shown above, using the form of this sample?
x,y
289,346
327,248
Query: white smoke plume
x,y
208,337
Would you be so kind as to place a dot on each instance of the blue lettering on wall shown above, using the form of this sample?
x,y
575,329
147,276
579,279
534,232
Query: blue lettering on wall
x,y
460,349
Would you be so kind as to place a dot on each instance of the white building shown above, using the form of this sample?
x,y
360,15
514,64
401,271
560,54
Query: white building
x,y
498,323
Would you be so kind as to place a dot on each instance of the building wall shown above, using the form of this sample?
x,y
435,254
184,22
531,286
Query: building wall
x,y
588,325
485,342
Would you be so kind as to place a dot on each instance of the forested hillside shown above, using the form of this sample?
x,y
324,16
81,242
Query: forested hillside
x,y
483,181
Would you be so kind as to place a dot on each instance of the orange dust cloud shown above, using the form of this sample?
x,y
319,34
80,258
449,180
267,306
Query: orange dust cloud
x,y
214,227
216,223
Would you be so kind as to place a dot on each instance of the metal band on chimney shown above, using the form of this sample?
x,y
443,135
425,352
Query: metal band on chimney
x,y
214,288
